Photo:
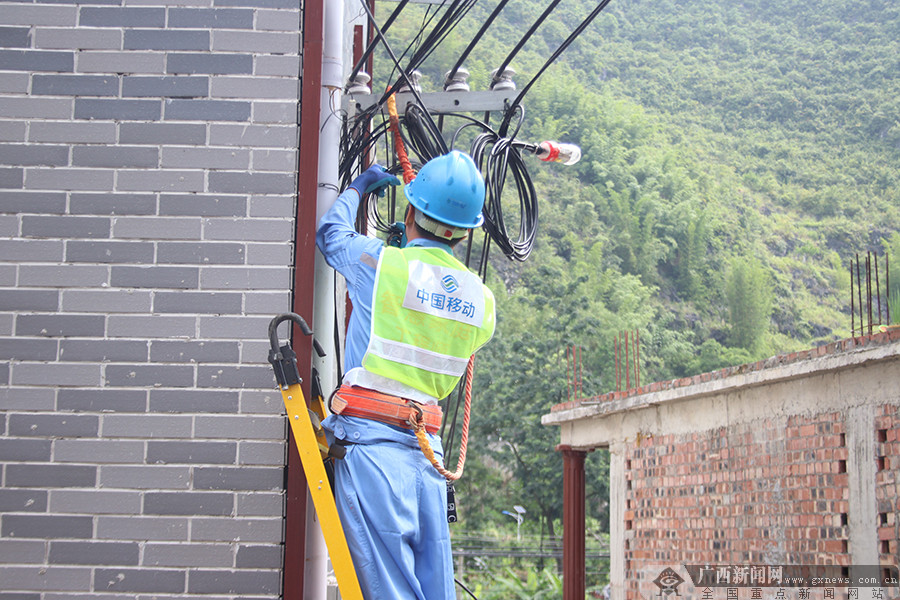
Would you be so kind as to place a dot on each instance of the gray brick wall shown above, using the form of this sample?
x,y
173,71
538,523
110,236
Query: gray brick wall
x,y
147,176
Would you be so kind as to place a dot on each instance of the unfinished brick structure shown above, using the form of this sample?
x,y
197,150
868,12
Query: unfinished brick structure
x,y
790,461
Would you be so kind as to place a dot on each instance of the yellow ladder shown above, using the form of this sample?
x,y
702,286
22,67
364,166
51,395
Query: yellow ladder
x,y
312,447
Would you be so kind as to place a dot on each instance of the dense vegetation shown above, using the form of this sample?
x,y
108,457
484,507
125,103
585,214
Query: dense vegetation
x,y
737,154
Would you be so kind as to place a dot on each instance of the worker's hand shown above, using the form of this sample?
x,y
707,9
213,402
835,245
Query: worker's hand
x,y
374,179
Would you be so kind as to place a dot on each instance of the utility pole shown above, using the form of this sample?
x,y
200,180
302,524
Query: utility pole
x,y
315,584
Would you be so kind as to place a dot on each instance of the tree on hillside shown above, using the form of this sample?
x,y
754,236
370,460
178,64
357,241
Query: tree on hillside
x,y
749,304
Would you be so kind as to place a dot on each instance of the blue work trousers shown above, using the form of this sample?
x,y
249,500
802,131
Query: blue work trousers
x,y
393,508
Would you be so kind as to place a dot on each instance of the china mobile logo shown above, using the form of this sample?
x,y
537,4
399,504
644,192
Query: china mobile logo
x,y
449,283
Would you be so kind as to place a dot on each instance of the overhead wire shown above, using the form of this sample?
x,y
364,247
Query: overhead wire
x,y
556,54
512,54
374,42
415,43
465,53
449,20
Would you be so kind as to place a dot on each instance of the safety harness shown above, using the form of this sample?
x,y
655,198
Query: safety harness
x,y
353,401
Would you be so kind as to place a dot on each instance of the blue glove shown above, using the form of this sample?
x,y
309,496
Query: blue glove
x,y
374,179
397,235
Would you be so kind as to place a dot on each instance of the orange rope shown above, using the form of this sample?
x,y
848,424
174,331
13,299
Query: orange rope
x,y
394,118
419,426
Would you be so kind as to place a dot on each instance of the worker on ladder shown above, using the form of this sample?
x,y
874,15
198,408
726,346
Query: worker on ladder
x,y
418,316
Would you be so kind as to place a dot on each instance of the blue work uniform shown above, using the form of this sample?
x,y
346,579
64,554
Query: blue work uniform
x,y
391,500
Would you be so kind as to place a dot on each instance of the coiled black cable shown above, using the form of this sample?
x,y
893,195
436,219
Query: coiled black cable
x,y
497,156
420,136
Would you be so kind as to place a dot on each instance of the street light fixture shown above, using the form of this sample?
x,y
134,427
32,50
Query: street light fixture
x,y
519,517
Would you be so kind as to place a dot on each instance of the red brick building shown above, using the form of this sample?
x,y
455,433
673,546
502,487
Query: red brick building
x,y
787,462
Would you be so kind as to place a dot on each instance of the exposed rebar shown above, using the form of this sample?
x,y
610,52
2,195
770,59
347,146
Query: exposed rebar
x,y
869,289
627,365
852,304
878,291
616,348
637,357
859,295
887,275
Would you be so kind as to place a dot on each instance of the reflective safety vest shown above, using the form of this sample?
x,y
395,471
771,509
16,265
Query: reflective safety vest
x,y
429,315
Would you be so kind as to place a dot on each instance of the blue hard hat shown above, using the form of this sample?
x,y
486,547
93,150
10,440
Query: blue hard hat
x,y
449,189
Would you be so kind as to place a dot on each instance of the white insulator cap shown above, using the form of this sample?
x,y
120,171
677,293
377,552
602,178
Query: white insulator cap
x,y
459,82
413,79
360,85
503,81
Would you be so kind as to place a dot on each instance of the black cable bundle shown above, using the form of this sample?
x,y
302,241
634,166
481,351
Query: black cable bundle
x,y
496,152
358,138
420,136
448,21
496,157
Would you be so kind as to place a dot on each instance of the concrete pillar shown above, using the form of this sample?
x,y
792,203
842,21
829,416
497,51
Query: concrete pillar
x,y
863,517
617,521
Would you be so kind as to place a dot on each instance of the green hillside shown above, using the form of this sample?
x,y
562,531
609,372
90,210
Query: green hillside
x,y
736,156
717,137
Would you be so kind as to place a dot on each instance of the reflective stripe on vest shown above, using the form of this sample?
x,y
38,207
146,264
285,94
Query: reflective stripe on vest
x,y
429,315
417,357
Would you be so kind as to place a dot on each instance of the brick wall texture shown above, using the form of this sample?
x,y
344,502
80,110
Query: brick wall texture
x,y
887,482
147,179
763,492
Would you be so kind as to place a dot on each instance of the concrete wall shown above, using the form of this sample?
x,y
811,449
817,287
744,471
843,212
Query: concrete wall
x,y
790,461
147,181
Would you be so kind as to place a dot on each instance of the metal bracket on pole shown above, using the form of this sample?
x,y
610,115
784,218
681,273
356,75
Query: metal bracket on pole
x,y
439,102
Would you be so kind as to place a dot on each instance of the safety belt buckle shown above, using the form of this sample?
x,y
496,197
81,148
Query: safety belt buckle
x,y
416,415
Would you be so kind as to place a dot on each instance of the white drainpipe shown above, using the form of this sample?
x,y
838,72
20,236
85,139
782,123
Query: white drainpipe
x,y
315,583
